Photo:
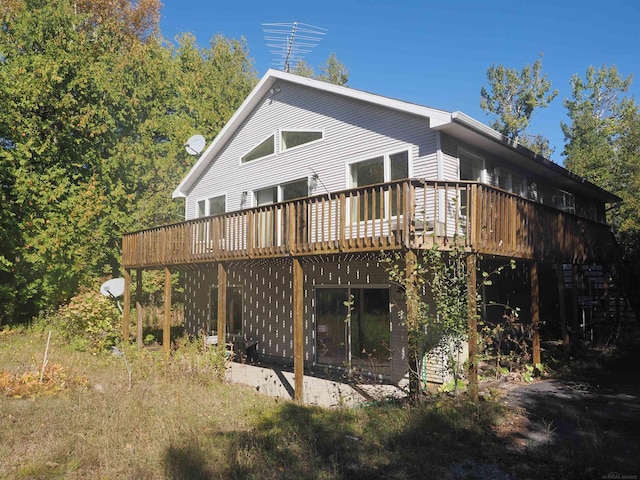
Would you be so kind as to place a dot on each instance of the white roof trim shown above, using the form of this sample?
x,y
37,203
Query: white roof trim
x,y
437,117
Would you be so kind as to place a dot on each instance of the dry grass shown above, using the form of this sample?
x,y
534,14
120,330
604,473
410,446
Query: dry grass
x,y
172,419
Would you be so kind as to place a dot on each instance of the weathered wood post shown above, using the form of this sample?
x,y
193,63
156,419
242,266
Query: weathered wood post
x,y
298,330
126,311
166,325
535,312
139,307
411,296
472,321
575,309
222,306
562,306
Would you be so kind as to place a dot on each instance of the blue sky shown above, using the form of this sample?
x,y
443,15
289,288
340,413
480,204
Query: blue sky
x,y
437,53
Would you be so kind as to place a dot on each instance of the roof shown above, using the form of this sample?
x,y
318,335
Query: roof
x,y
456,124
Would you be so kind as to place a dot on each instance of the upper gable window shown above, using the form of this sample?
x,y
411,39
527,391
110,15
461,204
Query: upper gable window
x,y
295,138
266,148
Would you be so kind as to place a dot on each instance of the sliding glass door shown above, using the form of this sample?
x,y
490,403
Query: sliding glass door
x,y
353,327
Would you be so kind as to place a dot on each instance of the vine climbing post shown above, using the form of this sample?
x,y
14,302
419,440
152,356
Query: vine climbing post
x,y
411,294
472,301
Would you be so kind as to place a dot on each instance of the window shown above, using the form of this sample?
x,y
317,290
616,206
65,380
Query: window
x,y
564,201
211,206
234,310
266,196
399,165
518,185
471,167
353,327
386,168
293,190
291,138
266,148
283,192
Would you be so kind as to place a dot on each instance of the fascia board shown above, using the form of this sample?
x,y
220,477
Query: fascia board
x,y
471,123
227,132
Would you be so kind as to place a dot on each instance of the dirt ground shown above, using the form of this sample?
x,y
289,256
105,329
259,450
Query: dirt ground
x,y
592,410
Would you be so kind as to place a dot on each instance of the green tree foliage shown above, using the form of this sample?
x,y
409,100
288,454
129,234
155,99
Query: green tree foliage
x,y
602,144
332,71
512,97
94,111
436,309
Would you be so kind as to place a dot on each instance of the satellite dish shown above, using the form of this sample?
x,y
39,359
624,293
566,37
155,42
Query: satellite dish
x,y
113,288
195,145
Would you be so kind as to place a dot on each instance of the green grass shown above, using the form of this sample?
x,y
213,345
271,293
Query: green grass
x,y
174,420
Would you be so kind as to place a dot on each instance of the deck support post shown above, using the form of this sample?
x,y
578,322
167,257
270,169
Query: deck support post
x,y
166,325
575,309
411,294
139,307
562,307
222,306
472,323
126,310
535,312
298,330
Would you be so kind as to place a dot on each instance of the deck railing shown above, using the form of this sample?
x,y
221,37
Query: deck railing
x,y
402,214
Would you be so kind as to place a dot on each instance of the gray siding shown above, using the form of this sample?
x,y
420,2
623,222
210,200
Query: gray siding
x,y
353,131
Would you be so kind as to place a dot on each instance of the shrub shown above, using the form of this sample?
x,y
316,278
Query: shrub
x,y
89,321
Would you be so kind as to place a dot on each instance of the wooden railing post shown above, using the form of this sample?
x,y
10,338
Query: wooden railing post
x,y
342,222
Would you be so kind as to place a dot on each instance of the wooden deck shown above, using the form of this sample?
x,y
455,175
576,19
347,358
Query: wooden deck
x,y
407,214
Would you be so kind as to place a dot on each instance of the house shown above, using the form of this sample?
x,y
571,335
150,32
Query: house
x,y
289,207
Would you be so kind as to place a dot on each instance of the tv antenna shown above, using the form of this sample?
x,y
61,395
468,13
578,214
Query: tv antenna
x,y
289,42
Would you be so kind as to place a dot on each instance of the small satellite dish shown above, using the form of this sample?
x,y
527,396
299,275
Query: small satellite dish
x,y
195,145
113,288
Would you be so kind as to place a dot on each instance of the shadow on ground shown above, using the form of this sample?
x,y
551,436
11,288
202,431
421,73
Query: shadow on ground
x,y
585,425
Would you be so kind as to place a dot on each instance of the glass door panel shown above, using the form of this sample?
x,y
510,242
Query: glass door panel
x,y
331,326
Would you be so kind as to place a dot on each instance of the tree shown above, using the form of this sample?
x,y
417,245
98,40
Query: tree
x,y
596,110
94,112
602,144
436,312
332,71
512,97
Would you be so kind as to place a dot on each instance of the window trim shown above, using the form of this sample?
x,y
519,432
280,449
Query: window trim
x,y
386,164
207,204
283,149
273,154
386,168
477,156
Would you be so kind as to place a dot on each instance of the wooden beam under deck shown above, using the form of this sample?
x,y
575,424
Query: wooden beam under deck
x,y
126,311
139,339
535,313
222,306
166,324
298,330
